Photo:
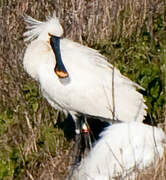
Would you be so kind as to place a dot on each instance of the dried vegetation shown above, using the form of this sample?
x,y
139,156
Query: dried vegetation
x,y
132,34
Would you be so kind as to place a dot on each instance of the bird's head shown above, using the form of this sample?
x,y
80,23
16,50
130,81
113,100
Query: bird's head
x,y
50,32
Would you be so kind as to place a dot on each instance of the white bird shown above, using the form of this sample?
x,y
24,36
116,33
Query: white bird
x,y
123,150
77,79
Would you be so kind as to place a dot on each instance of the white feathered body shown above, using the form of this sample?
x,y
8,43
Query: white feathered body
x,y
123,150
90,87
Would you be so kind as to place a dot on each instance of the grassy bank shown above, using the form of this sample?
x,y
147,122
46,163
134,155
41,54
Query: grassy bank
x,y
132,34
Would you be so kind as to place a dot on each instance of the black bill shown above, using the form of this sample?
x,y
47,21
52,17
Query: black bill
x,y
59,69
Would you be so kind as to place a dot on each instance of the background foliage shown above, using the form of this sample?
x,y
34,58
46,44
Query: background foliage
x,y
132,34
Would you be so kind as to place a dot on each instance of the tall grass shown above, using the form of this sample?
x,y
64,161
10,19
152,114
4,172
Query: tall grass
x,y
130,33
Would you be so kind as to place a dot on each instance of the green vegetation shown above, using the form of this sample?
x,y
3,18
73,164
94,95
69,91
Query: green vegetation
x,y
142,59
132,34
28,140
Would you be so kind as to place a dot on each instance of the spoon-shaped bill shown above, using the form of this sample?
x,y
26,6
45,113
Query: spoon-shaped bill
x,y
59,69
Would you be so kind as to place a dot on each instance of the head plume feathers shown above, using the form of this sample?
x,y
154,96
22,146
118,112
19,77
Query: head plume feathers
x,y
37,28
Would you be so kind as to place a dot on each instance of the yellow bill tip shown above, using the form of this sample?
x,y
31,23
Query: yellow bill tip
x,y
61,74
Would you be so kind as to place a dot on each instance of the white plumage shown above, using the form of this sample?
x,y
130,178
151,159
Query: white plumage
x,y
123,150
88,89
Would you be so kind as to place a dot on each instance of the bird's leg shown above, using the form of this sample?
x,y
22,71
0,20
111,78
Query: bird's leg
x,y
76,156
77,147
76,152
82,141
82,138
86,133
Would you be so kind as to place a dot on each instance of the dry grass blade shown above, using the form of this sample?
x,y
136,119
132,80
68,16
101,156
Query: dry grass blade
x,y
30,145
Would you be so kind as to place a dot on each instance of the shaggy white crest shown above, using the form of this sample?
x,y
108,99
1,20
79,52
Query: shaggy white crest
x,y
40,30
123,150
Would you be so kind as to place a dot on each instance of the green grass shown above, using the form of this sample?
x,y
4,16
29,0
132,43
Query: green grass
x,y
132,34
142,59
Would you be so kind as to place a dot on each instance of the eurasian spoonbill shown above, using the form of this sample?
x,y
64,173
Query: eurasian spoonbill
x,y
123,150
77,79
